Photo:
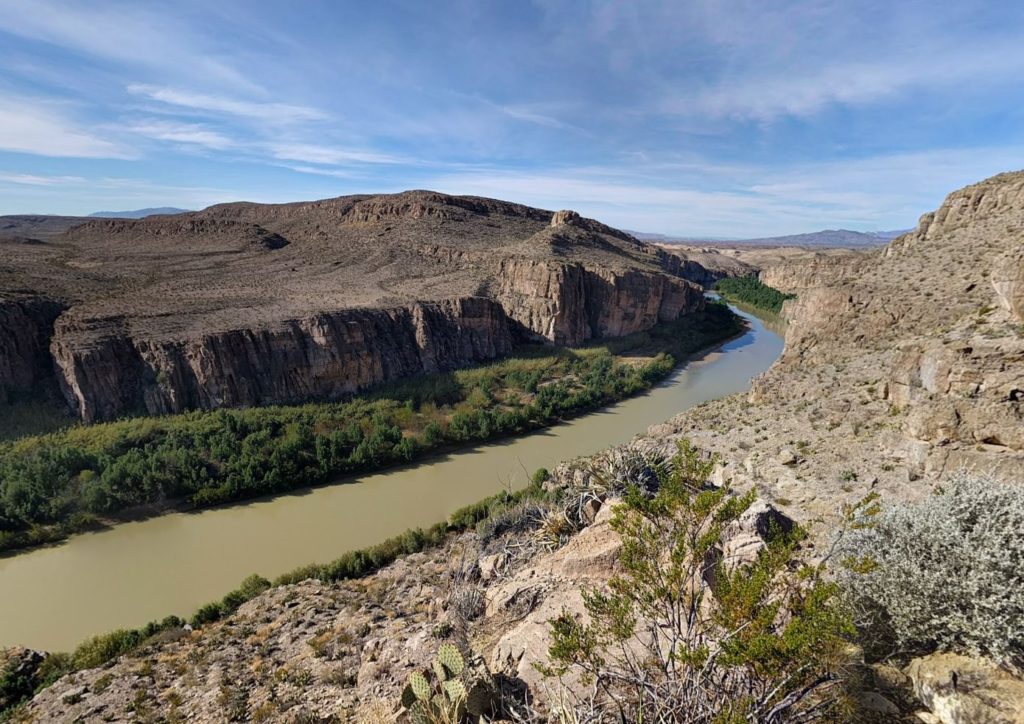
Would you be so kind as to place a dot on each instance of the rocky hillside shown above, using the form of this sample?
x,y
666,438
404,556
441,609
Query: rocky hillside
x,y
241,304
901,366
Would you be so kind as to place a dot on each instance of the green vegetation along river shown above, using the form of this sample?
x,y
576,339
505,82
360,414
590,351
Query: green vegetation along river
x,y
52,598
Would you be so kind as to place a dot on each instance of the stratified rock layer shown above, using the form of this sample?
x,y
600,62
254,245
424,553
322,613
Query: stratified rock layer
x,y
246,304
320,357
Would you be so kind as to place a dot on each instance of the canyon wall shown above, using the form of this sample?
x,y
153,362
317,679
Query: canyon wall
x,y
25,329
246,304
922,339
333,354
325,356
569,304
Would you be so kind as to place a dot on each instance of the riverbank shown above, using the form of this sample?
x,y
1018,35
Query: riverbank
x,y
86,478
352,565
753,293
142,570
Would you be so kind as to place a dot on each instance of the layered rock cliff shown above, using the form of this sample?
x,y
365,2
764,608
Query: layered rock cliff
x,y
26,326
322,357
569,304
247,304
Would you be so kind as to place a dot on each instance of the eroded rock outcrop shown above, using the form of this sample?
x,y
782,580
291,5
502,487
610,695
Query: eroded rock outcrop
x,y
1008,282
570,304
963,690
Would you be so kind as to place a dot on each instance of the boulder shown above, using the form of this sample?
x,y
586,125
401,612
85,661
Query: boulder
x,y
492,566
963,690
564,217
787,456
590,510
871,701
745,537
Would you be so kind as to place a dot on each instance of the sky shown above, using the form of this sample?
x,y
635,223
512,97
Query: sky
x,y
714,118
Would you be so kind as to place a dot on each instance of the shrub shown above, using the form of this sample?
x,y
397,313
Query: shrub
x,y
251,587
659,646
944,573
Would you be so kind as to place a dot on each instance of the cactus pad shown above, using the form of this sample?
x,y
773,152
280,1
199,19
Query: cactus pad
x,y
455,690
408,697
420,686
449,657
440,672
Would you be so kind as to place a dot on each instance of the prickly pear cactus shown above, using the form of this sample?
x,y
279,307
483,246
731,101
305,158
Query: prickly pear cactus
x,y
450,658
451,690
420,686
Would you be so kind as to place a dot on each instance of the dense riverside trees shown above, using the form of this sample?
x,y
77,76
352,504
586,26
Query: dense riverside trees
x,y
749,290
54,484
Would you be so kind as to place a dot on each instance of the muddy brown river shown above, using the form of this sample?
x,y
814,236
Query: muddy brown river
x,y
53,598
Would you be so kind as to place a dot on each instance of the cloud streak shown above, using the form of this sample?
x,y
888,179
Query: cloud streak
x,y
205,103
43,129
184,133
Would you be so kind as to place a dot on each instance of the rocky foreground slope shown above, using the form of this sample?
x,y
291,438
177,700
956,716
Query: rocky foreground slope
x,y
242,304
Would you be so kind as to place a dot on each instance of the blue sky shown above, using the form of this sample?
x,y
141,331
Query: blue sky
x,y
727,118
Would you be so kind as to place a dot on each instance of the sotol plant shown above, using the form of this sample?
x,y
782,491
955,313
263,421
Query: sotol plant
x,y
449,692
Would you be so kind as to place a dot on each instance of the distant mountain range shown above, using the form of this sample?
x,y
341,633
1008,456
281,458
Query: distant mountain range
x,y
828,238
139,213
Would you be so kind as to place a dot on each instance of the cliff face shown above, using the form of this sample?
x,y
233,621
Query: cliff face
x,y
569,304
809,272
320,357
25,330
247,304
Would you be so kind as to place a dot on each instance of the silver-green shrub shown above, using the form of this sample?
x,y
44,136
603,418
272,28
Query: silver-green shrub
x,y
945,573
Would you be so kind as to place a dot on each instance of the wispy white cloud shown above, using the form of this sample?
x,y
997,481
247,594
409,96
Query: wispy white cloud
x,y
332,172
123,32
188,133
27,179
331,155
252,110
44,129
766,94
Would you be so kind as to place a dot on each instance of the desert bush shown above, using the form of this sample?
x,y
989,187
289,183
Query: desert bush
x,y
943,573
251,587
765,646
467,603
